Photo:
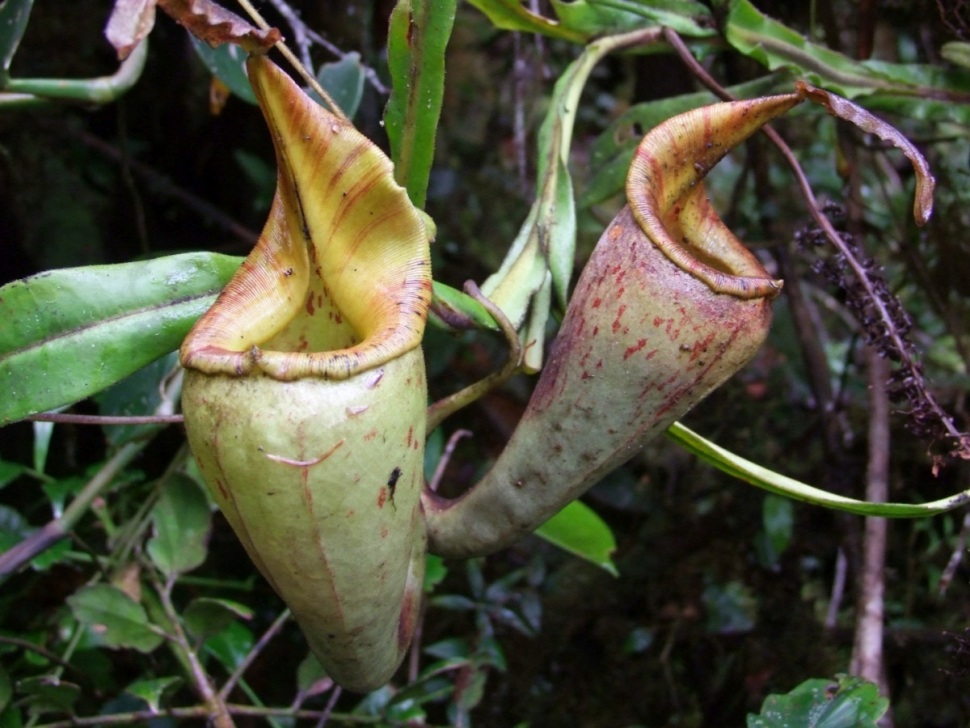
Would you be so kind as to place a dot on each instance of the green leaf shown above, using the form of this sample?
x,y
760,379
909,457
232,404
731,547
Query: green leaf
x,y
762,477
9,471
114,617
459,310
47,694
231,645
205,616
70,333
13,527
602,17
228,64
418,35
11,718
541,256
52,555
850,703
309,673
778,519
152,691
578,530
180,522
512,15
42,443
344,81
776,46
434,572
956,51
730,608
14,15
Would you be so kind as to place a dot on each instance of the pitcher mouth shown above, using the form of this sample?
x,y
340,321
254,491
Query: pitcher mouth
x,y
697,240
665,191
340,279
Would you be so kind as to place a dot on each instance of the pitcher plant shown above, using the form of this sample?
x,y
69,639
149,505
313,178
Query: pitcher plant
x,y
305,391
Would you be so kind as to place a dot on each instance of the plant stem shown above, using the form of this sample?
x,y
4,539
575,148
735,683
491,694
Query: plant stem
x,y
106,419
217,712
254,653
867,652
443,408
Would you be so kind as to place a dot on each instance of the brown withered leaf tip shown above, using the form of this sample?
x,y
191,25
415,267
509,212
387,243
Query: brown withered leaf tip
x,y
129,22
215,25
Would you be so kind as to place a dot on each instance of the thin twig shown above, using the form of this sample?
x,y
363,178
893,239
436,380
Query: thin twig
x,y
328,710
838,590
218,713
446,454
304,34
65,418
254,653
30,646
300,68
956,558
300,37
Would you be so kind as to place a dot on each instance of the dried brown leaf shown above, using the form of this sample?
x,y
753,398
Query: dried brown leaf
x,y
215,25
845,109
130,21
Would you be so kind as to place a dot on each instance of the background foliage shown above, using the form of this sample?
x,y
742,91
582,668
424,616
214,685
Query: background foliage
x,y
724,595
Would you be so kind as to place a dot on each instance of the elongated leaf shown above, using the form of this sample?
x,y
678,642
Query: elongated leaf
x,y
522,286
599,17
115,617
773,482
181,527
416,44
578,530
511,15
14,15
69,333
776,46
